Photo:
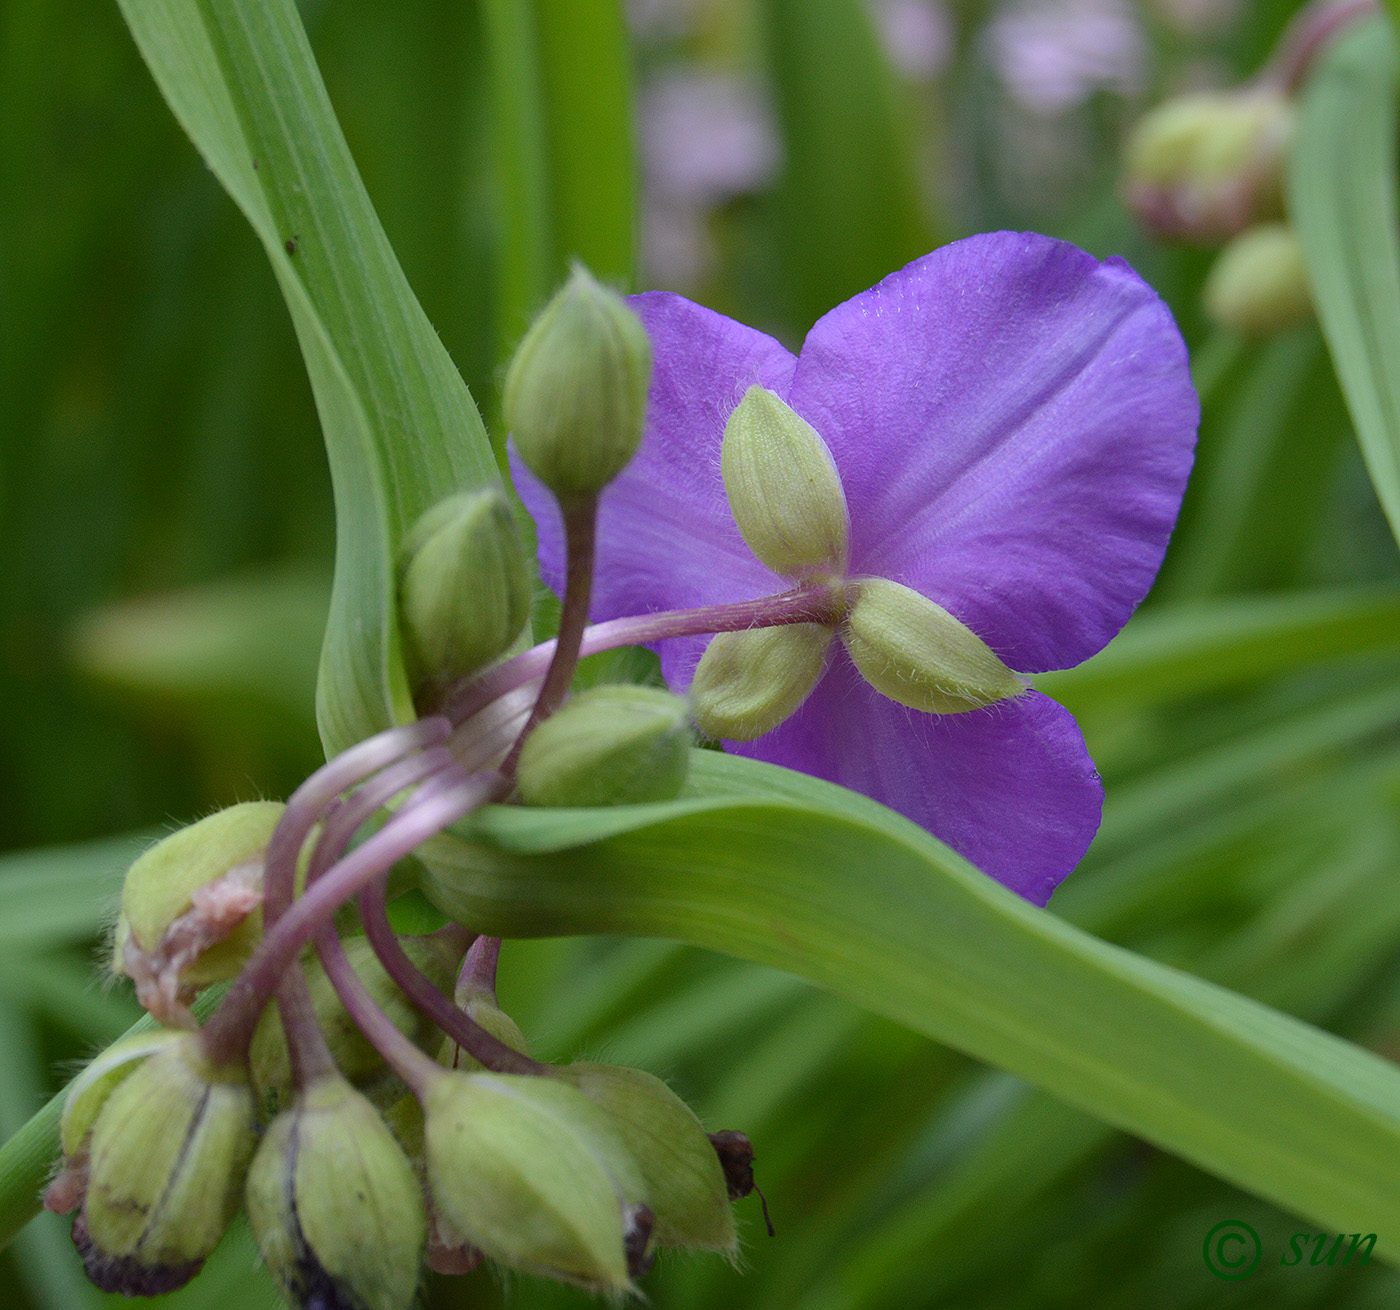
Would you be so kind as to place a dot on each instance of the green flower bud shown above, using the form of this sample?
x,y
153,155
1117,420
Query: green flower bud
x,y
191,907
783,488
576,392
437,956
480,1006
1259,284
918,654
464,589
617,745
169,1153
533,1174
335,1205
748,682
1204,167
88,1092
685,1184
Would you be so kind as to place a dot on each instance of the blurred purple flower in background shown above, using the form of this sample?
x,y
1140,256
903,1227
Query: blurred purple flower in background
x,y
706,137
1052,55
1013,424
917,36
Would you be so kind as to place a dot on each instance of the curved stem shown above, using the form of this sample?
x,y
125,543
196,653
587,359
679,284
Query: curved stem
x,y
1309,31
580,535
479,968
307,1048
485,1048
825,604
226,1036
309,801
406,1060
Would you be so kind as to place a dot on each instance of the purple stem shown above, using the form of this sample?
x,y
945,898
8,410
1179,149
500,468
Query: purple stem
x,y
309,801
822,604
310,1055
1306,36
485,1048
226,1036
580,535
479,968
406,1060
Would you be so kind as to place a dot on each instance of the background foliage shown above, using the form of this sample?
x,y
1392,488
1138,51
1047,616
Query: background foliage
x,y
169,539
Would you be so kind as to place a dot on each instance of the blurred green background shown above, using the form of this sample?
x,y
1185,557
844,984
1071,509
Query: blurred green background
x,y
168,540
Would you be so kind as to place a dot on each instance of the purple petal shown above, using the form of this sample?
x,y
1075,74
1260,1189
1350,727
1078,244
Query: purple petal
x,y
1014,423
666,538
1011,787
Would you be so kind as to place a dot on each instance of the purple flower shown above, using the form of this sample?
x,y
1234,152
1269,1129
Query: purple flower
x,y
1013,423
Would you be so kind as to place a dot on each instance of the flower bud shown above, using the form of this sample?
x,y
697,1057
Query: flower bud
x,y
748,682
169,1153
576,392
438,956
191,907
87,1094
617,745
533,1174
918,654
1204,167
685,1185
480,1006
335,1205
1259,283
464,589
783,488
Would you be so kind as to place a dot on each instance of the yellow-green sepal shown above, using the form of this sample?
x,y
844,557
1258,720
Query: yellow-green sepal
x,y
684,1182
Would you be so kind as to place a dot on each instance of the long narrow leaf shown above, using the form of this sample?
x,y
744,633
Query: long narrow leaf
x,y
1341,196
838,890
400,428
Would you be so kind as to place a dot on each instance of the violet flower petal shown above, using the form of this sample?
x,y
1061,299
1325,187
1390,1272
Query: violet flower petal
x,y
1011,787
1014,423
666,537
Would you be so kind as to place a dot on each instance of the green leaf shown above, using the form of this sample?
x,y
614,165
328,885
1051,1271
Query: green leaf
x,y
63,894
849,199
1341,197
797,874
585,70
400,428
1190,649
524,236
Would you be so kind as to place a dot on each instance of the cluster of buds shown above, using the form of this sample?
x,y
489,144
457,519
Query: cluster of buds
x,y
1208,168
379,1115
385,1111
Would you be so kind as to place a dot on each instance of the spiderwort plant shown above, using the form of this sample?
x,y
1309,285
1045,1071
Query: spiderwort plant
x,y
575,1173
997,443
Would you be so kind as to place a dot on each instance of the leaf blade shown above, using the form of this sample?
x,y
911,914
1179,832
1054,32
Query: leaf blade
x,y
1341,197
875,910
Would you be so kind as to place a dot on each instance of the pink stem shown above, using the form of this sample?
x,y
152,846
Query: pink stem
x,y
415,1068
580,535
1310,30
227,1034
479,968
822,604
309,801
481,1045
